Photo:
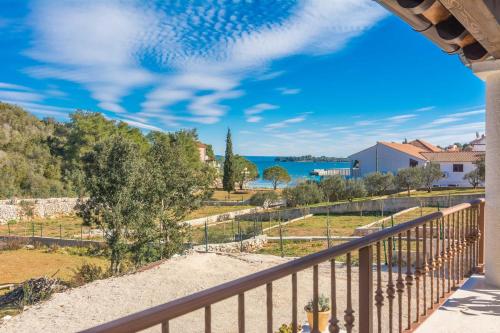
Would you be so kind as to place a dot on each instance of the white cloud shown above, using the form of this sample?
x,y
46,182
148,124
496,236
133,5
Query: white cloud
x,y
10,86
269,76
426,108
20,96
286,122
401,118
254,119
289,91
259,108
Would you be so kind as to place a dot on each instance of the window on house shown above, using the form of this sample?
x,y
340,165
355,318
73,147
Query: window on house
x,y
458,168
413,163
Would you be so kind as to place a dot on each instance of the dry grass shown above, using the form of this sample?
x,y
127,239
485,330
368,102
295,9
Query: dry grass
x,y
20,265
238,195
65,226
441,191
213,210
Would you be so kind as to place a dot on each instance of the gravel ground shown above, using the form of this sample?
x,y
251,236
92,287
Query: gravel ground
x,y
105,300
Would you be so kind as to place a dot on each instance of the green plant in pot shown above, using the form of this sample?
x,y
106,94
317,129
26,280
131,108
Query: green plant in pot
x,y
324,310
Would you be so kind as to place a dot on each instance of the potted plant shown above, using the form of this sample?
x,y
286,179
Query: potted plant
x,y
323,312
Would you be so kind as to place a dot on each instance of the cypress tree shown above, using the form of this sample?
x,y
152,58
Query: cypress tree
x,y
228,178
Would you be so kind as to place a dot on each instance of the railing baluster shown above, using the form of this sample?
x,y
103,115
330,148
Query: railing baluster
x,y
400,286
444,258
333,327
426,268
391,292
379,294
315,328
467,242
418,273
449,253
459,247
438,259
165,327
241,313
208,319
409,275
453,252
365,289
432,262
269,306
294,304
349,312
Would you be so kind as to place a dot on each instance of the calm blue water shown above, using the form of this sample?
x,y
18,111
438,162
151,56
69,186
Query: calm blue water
x,y
297,170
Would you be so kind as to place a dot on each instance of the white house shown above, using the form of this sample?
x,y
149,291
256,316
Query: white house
x,y
391,156
454,166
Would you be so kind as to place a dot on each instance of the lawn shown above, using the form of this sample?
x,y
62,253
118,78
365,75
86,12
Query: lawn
x,y
441,191
65,227
228,231
340,225
239,195
23,264
214,210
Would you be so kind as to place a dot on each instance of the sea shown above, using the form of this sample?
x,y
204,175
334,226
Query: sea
x,y
297,170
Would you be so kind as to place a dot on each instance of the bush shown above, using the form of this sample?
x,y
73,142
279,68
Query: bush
x,y
263,198
87,273
377,183
354,188
303,194
14,244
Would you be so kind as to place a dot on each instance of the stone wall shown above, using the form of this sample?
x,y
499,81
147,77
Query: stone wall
x,y
387,205
17,209
54,241
248,245
222,217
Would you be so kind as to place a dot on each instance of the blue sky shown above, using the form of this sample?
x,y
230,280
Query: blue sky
x,y
325,77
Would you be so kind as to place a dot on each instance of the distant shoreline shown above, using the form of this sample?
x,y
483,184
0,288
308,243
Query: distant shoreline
x,y
309,159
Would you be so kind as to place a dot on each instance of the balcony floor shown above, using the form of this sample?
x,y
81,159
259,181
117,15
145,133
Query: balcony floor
x,y
475,307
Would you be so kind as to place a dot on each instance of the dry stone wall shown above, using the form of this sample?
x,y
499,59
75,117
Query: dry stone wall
x,y
18,209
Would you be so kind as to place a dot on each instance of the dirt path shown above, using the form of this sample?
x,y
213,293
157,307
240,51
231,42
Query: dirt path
x,y
109,299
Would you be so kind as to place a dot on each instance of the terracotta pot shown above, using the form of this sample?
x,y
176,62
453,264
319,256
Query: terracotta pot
x,y
322,322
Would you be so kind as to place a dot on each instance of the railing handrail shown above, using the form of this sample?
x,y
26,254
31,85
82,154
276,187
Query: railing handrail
x,y
167,311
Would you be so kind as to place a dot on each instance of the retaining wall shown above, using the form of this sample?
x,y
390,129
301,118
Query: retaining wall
x,y
16,209
247,245
222,217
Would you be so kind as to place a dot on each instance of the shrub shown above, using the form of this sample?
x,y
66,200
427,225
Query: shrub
x,y
263,198
354,188
14,244
333,187
303,194
377,183
87,273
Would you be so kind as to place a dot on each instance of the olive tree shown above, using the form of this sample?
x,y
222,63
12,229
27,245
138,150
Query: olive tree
x,y
244,171
430,173
409,179
333,187
377,183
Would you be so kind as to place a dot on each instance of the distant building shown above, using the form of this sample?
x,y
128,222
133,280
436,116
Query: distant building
x,y
391,157
479,144
202,148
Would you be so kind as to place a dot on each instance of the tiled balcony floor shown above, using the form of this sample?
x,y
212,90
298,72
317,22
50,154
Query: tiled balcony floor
x,y
475,307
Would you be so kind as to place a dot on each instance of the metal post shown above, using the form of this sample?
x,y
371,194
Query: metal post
x,y
365,290
241,238
393,240
232,230
41,230
383,242
254,228
328,232
206,236
281,239
60,231
81,235
32,229
8,227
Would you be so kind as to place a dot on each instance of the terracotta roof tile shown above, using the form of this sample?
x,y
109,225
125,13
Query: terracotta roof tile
x,y
425,145
453,156
406,148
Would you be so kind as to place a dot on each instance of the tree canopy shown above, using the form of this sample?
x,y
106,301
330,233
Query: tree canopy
x,y
276,174
228,178
244,171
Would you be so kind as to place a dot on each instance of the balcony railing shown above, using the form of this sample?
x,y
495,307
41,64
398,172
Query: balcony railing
x,y
428,258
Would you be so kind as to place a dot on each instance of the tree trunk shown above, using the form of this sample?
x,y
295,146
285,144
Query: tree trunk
x,y
409,189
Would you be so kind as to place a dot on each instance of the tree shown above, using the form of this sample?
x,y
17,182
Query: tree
x,y
474,178
244,171
333,187
303,194
114,180
228,177
178,183
354,188
430,173
377,183
276,174
408,179
481,168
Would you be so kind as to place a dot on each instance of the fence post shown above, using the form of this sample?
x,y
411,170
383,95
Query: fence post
x,y
8,227
241,238
281,240
32,229
81,235
366,289
328,232
254,228
480,259
206,236
232,230
60,231
41,230
383,242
